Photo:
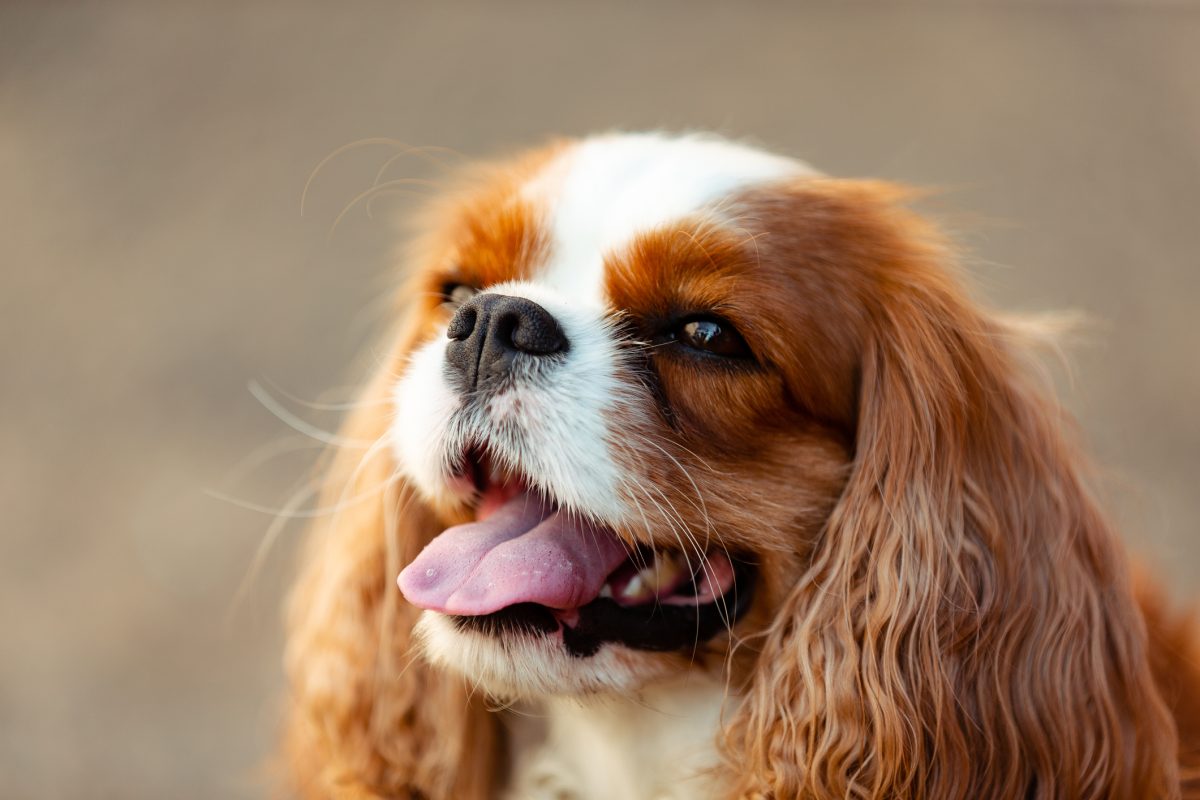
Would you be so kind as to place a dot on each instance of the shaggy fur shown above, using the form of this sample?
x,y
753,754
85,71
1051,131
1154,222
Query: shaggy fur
x,y
944,609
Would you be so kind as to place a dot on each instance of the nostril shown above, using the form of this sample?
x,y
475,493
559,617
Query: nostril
x,y
504,326
462,324
538,333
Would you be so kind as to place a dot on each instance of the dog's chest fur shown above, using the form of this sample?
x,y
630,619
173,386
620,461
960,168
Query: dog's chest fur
x,y
658,745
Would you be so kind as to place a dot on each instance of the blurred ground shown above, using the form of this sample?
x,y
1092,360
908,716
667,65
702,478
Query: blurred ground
x,y
153,261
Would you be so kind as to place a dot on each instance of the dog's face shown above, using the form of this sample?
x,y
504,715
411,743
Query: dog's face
x,y
631,405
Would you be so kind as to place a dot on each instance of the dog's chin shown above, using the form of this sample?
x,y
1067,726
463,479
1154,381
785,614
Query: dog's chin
x,y
528,663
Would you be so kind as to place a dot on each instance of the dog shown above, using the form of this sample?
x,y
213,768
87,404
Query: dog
x,y
694,473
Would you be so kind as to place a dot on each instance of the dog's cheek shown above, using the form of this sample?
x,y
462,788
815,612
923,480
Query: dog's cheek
x,y
424,406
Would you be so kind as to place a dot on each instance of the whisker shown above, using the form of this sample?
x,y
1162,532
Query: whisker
x,y
312,513
369,206
377,140
380,444
266,453
709,529
393,185
680,530
702,507
422,152
299,425
696,241
265,545
316,406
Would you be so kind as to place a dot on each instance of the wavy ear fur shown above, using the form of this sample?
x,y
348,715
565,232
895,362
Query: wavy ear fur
x,y
966,627
367,718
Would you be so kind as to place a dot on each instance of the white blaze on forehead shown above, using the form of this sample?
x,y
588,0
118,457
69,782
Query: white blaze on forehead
x,y
604,191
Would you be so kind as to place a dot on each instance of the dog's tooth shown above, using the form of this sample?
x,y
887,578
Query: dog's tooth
x,y
606,590
645,583
662,572
634,589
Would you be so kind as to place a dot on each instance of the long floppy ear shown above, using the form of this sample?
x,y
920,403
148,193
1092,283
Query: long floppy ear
x,y
367,718
966,627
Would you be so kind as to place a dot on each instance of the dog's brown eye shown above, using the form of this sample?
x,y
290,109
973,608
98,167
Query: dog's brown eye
x,y
712,336
455,294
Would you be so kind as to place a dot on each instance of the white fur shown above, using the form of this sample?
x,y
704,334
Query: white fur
x,y
425,408
606,190
655,744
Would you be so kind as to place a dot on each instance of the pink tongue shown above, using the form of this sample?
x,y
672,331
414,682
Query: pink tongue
x,y
525,552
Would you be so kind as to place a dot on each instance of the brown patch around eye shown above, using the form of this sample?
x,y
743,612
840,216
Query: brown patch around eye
x,y
482,233
687,289
501,244
675,271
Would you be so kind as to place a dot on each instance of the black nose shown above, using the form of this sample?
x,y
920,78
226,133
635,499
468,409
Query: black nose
x,y
490,330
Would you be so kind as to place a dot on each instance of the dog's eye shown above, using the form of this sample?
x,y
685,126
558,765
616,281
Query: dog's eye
x,y
712,335
455,294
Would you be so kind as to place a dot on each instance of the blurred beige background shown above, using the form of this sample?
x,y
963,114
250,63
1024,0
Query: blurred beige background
x,y
154,261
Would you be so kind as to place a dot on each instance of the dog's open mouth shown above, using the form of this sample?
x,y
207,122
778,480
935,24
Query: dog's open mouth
x,y
525,565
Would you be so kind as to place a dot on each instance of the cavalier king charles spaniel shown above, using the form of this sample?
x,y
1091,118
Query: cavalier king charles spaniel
x,y
694,473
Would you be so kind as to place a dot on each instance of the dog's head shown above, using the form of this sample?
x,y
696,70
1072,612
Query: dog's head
x,y
672,403
633,403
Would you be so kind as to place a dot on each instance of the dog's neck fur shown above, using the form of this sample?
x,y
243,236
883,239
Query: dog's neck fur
x,y
657,745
